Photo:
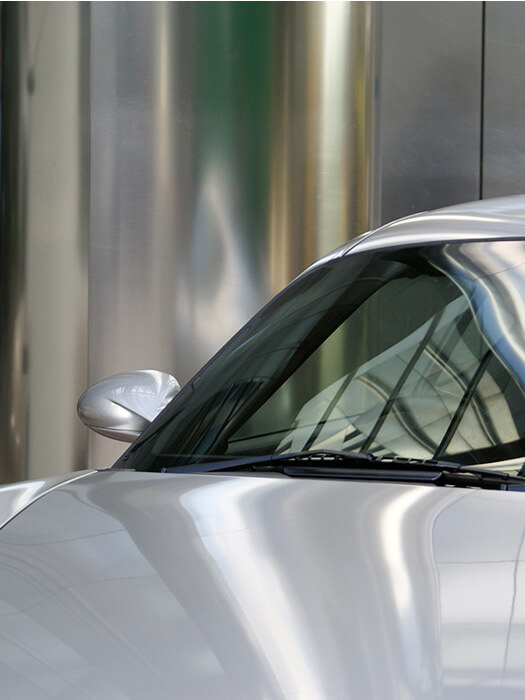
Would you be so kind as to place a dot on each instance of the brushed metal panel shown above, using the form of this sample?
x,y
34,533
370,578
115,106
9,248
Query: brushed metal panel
x,y
430,84
44,243
504,103
231,146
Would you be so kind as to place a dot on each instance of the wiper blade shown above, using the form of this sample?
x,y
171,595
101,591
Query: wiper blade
x,y
362,466
273,462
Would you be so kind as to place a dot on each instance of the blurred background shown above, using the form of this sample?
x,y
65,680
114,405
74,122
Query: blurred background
x,y
167,167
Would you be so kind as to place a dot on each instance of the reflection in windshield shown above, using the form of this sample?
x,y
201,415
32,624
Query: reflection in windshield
x,y
403,400
490,275
416,353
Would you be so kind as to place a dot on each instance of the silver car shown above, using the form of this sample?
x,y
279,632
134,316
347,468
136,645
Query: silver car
x,y
333,507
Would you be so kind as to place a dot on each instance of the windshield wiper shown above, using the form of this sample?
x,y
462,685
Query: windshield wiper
x,y
362,466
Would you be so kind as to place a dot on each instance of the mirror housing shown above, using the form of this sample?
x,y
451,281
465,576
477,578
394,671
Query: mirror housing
x,y
123,405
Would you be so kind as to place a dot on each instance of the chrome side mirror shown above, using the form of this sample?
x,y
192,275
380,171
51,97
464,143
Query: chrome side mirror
x,y
123,405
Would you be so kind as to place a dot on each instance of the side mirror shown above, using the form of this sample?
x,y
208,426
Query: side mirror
x,y
123,405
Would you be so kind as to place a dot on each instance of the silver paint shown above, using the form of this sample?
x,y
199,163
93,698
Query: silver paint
x,y
123,405
488,220
129,585
14,498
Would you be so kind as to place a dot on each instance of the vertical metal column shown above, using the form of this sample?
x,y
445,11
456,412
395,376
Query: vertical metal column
x,y
323,182
45,190
231,146
13,174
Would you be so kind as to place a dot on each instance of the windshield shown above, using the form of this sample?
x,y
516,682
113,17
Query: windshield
x,y
411,353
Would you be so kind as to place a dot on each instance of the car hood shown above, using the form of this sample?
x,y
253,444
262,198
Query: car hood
x,y
15,497
134,585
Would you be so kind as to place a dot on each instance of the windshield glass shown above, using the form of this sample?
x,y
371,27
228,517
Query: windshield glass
x,y
411,353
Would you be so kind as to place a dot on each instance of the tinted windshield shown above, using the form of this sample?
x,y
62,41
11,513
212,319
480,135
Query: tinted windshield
x,y
412,353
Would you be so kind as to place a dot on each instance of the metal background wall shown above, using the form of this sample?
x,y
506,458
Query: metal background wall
x,y
44,241
504,99
430,105
230,144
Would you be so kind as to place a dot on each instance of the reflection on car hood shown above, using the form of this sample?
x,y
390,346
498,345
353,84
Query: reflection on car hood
x,y
15,497
132,585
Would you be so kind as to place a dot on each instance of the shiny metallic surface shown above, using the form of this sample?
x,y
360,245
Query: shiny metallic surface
x,y
123,405
221,585
481,220
490,275
14,498
430,83
45,130
324,184
13,379
232,145
245,586
504,101
415,380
